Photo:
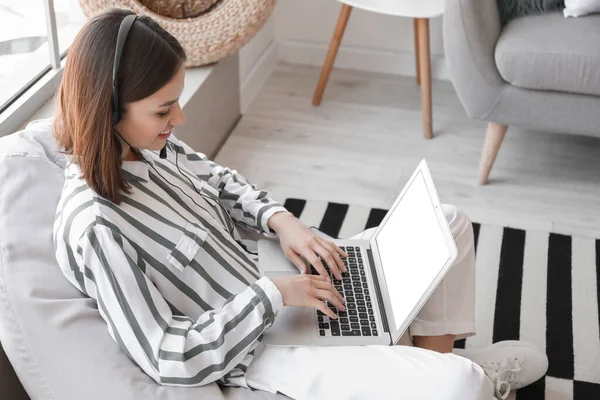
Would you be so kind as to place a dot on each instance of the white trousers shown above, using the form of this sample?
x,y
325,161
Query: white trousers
x,y
390,372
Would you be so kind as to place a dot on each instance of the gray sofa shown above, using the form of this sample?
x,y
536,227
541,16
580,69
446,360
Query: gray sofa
x,y
540,72
54,343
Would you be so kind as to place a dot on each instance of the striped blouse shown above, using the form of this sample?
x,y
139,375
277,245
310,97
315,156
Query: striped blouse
x,y
181,296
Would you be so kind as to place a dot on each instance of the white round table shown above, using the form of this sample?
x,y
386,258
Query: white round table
x,y
420,11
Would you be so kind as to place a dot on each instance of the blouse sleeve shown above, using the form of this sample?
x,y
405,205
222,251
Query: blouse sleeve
x,y
249,206
173,349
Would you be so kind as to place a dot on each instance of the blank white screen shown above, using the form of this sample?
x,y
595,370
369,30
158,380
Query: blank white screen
x,y
412,249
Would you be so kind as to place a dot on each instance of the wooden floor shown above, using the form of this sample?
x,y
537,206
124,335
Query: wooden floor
x,y
364,141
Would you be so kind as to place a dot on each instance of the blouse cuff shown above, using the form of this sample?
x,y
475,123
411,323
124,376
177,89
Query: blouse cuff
x,y
265,219
272,293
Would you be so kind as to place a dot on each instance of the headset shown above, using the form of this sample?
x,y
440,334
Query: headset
x,y
124,29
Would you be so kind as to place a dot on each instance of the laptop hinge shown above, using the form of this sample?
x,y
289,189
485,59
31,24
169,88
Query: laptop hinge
x,y
378,290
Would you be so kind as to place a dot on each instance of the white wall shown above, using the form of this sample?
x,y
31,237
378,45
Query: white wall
x,y
300,31
372,41
257,59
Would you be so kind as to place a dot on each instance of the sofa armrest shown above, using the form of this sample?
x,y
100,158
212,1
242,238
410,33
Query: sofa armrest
x,y
10,386
471,31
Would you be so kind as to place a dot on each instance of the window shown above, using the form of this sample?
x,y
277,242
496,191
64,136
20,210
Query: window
x,y
34,36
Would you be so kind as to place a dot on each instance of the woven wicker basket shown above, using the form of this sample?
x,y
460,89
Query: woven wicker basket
x,y
221,28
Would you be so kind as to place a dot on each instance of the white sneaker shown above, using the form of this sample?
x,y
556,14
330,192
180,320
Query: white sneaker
x,y
509,365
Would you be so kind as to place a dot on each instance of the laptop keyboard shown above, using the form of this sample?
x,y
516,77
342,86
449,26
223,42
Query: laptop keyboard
x,y
359,317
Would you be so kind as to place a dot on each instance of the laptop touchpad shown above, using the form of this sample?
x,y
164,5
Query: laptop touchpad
x,y
272,258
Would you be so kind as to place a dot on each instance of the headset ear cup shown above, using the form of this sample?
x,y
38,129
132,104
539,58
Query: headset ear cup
x,y
114,116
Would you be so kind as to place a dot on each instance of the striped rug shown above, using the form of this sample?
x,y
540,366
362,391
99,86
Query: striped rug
x,y
536,286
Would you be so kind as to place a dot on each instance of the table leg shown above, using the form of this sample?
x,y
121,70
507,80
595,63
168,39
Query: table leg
x,y
425,68
331,53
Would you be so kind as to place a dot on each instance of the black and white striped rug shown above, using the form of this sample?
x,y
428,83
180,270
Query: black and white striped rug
x,y
536,286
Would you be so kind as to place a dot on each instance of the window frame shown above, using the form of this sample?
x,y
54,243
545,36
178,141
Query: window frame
x,y
33,95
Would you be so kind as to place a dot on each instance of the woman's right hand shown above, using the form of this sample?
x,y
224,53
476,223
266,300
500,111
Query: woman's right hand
x,y
309,291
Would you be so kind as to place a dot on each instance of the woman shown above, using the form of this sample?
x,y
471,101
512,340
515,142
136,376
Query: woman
x,y
153,240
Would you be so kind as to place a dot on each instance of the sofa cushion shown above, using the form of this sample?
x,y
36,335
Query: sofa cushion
x,y
551,52
510,9
52,334
9,383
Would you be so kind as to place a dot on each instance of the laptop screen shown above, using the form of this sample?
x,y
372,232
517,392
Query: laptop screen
x,y
412,249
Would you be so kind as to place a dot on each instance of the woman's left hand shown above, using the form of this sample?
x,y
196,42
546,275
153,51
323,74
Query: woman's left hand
x,y
298,240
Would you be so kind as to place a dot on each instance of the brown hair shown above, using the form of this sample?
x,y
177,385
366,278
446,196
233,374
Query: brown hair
x,y
82,125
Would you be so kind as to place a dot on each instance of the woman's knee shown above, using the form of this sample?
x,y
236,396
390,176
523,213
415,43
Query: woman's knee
x,y
464,380
458,220
426,374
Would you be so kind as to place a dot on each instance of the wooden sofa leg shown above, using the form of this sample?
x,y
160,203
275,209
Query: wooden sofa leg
x,y
493,141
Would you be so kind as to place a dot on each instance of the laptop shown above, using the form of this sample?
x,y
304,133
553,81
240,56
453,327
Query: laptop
x,y
389,278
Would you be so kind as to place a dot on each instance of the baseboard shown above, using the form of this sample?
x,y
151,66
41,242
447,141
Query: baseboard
x,y
258,75
364,59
